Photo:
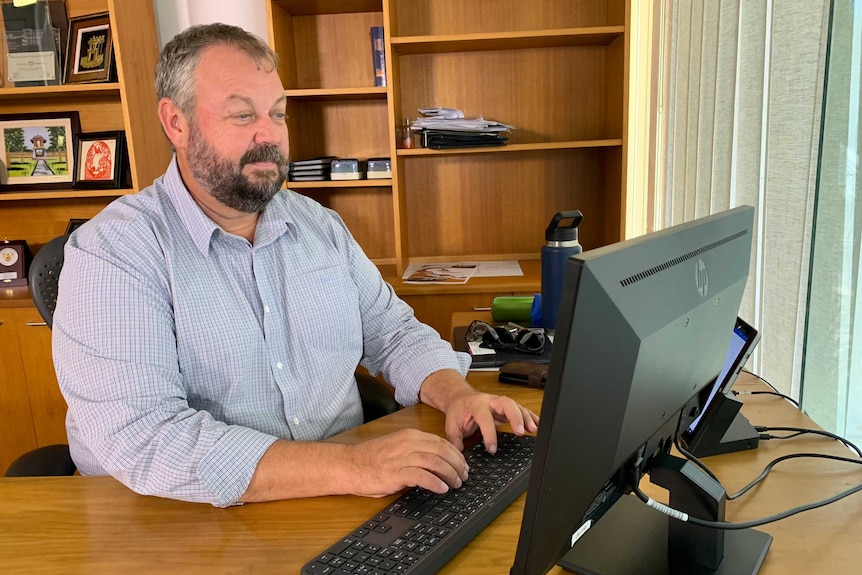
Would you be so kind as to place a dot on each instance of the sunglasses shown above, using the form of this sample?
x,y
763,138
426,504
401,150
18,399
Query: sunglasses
x,y
510,337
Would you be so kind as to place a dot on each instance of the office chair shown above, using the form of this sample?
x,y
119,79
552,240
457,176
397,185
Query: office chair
x,y
376,396
44,276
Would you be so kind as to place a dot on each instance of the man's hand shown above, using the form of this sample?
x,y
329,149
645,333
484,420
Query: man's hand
x,y
374,468
468,410
407,458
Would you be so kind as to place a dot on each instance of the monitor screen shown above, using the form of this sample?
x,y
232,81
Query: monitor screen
x,y
641,332
742,343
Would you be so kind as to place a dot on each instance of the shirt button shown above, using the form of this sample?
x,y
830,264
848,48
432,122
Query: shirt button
x,y
266,308
279,365
296,421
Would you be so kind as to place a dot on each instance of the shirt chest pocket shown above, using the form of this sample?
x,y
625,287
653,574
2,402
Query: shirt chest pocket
x,y
322,309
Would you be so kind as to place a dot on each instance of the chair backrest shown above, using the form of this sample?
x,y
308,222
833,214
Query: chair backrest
x,y
44,276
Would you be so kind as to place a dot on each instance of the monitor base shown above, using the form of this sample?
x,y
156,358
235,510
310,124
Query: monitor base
x,y
631,539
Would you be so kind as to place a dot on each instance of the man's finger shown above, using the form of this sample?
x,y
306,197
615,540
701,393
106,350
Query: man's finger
x,y
485,420
510,411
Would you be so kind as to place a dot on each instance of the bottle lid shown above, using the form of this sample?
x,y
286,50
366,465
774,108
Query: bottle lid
x,y
557,233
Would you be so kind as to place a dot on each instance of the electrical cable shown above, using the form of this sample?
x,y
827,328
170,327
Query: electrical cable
x,y
766,436
773,392
787,397
675,513
778,460
762,430
801,431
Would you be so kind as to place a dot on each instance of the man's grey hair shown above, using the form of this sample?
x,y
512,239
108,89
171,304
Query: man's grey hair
x,y
175,70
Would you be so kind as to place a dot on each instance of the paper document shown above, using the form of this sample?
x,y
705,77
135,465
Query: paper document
x,y
499,269
444,273
454,120
459,272
442,113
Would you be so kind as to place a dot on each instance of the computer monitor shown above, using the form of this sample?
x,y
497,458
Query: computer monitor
x,y
642,330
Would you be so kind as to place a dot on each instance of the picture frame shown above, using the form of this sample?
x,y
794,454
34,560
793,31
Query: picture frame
x,y
15,258
33,40
90,52
101,160
38,151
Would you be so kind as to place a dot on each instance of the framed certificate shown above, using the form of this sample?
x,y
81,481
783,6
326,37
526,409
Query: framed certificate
x,y
33,42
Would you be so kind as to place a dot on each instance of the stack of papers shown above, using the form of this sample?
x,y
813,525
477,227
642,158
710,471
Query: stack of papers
x,y
459,272
452,119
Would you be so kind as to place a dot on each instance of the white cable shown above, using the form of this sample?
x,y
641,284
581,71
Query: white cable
x,y
666,510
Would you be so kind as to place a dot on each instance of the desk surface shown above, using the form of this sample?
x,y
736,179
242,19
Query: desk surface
x,y
95,525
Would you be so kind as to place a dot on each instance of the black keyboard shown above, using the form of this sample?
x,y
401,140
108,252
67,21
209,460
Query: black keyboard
x,y
421,531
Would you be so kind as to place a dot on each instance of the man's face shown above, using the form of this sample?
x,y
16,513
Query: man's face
x,y
238,148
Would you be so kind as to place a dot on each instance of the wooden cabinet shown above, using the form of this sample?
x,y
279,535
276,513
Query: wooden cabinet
x,y
32,410
47,406
129,105
556,69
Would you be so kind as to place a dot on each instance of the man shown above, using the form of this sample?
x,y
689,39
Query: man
x,y
208,328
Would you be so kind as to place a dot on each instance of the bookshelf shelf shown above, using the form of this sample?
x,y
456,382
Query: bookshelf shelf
x,y
320,7
341,184
64,194
588,36
59,92
335,94
611,143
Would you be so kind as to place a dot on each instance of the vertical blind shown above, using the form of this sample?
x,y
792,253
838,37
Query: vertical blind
x,y
741,126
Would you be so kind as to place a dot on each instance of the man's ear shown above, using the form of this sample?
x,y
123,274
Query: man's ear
x,y
174,123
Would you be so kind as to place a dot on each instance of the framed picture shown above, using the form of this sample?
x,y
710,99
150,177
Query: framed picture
x,y
101,158
90,52
38,151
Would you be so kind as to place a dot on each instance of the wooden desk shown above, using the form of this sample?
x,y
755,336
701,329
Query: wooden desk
x,y
95,525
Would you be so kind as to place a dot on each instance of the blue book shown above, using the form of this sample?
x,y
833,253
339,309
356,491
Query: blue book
x,y
378,53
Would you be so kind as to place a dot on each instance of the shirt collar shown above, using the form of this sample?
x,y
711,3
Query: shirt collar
x,y
273,222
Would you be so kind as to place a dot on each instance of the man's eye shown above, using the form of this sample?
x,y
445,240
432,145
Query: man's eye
x,y
279,115
243,116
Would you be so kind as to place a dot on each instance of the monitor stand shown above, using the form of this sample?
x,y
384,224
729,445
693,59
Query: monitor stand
x,y
633,539
725,430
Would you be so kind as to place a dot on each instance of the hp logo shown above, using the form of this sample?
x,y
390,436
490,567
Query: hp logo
x,y
701,278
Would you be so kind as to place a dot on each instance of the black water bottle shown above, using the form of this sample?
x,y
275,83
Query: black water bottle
x,y
561,242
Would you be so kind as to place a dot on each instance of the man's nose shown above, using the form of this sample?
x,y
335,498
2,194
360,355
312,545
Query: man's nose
x,y
268,131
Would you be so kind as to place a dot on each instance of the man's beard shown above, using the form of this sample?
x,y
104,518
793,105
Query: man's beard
x,y
224,180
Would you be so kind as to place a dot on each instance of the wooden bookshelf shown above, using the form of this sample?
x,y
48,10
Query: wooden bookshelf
x,y
556,69
128,104
595,36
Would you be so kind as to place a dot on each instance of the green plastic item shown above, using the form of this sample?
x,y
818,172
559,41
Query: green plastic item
x,y
512,308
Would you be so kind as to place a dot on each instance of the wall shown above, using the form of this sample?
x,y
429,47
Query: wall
x,y
172,16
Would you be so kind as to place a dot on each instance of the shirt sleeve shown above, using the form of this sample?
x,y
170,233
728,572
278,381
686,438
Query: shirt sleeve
x,y
396,344
116,358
